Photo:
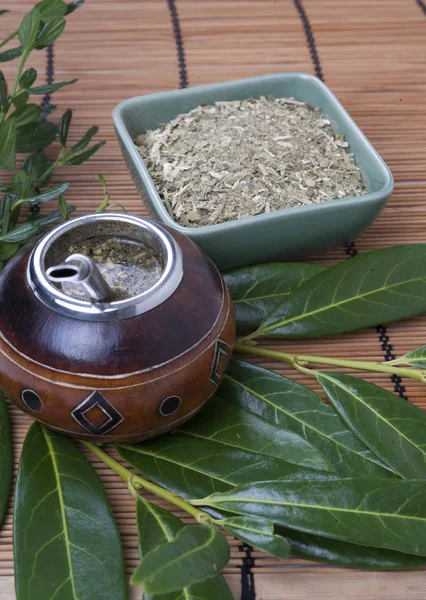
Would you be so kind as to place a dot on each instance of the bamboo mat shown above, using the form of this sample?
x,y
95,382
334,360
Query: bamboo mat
x,y
372,53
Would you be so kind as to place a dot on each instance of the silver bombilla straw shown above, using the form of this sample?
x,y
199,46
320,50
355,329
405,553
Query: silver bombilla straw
x,y
80,269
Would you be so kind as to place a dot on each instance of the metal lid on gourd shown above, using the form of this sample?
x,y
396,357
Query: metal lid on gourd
x,y
105,266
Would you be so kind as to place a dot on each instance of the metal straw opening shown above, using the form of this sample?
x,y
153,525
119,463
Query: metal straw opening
x,y
61,273
80,269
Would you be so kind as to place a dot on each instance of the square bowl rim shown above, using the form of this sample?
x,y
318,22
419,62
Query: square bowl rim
x,y
265,218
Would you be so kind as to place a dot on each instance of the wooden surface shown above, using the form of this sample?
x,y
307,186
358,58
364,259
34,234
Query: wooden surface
x,y
373,56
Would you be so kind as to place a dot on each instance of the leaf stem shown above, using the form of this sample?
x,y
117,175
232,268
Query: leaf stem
x,y
6,219
58,163
299,361
22,62
9,37
17,204
250,337
255,350
48,171
136,482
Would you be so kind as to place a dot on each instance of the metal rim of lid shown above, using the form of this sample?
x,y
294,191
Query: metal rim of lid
x,y
52,297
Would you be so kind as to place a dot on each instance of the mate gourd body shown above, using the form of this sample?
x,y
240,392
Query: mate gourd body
x,y
119,370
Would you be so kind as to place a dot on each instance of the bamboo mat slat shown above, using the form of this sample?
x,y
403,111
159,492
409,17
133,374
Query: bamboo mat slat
x,y
373,56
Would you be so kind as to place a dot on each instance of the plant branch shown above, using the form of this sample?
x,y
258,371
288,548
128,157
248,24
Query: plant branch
x,y
300,361
136,482
9,37
55,165
17,205
22,62
63,156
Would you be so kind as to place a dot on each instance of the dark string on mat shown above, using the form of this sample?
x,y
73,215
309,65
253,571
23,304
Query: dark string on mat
x,y
350,248
50,76
183,74
389,355
422,5
45,103
312,47
248,591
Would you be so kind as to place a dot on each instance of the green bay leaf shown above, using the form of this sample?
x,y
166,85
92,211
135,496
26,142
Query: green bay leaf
x,y
81,158
28,29
12,187
41,90
35,166
8,216
11,54
27,78
375,287
72,6
63,208
85,140
298,409
66,542
415,358
20,98
391,427
157,526
53,217
26,114
383,513
50,32
5,456
8,145
228,423
196,553
51,9
4,93
49,194
345,554
197,467
35,136
22,233
6,252
64,126
256,291
259,533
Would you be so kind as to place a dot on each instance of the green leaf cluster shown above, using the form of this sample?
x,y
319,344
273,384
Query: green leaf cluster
x,y
193,554
241,460
157,530
257,291
266,460
25,128
299,301
362,511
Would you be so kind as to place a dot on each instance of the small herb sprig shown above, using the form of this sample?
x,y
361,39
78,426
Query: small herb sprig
x,y
25,128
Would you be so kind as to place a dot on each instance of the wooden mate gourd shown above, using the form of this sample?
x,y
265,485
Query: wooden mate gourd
x,y
106,353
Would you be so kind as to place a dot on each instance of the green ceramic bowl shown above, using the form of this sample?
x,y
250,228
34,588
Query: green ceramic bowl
x,y
288,234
